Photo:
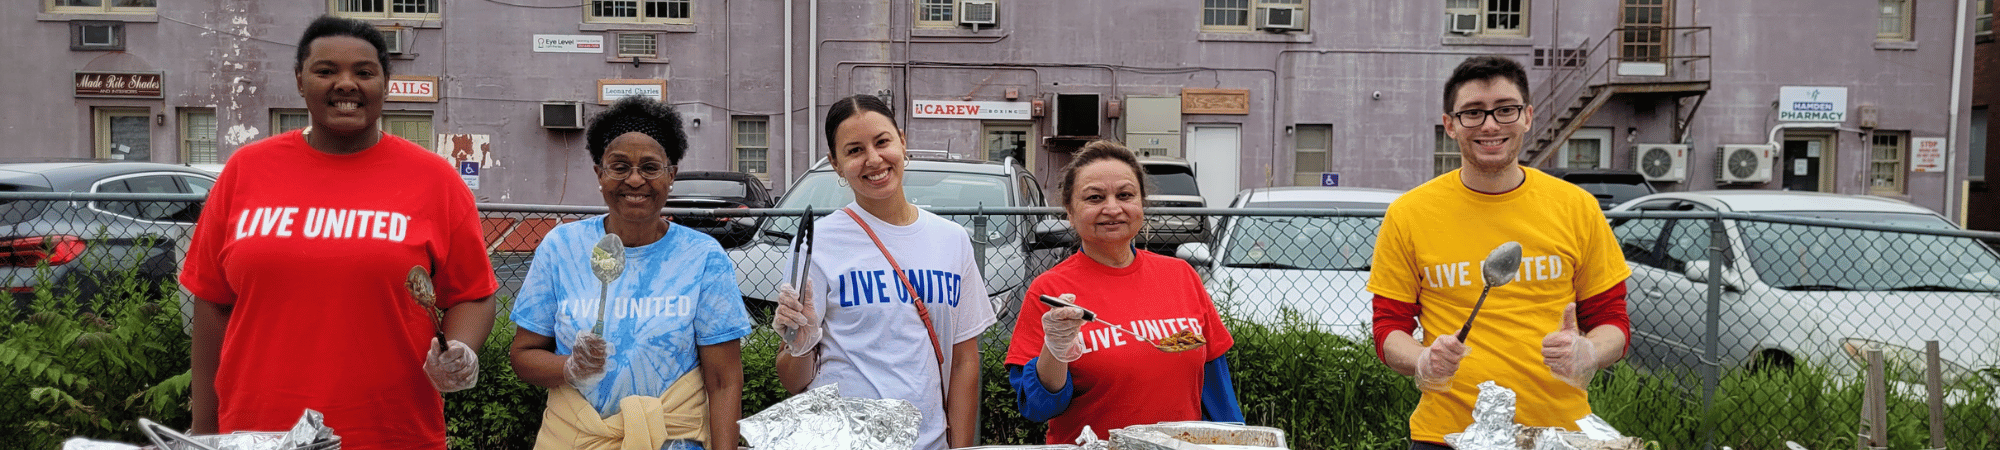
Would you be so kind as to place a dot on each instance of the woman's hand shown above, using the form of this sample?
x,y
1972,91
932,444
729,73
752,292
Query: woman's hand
x,y
1061,327
585,365
795,320
455,368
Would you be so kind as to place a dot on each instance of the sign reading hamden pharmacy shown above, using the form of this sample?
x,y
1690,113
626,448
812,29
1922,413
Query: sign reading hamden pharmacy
x,y
411,88
1812,104
118,84
938,109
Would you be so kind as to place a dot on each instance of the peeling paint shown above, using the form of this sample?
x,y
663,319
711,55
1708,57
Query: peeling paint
x,y
240,134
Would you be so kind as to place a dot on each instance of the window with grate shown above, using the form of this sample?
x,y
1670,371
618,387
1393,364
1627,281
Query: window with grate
x,y
753,147
387,9
1894,22
937,13
101,6
640,11
1445,157
1885,162
288,120
1225,15
1310,144
1487,17
198,136
643,45
412,126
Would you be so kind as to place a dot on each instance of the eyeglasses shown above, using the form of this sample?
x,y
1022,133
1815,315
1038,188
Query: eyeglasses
x,y
648,170
1502,115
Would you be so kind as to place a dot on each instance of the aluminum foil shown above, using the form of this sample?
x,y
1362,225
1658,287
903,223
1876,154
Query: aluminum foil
x,y
77,443
1142,439
1493,426
821,419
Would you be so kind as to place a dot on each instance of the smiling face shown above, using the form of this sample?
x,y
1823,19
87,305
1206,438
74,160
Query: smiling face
x,y
1492,147
869,154
343,84
634,199
1106,205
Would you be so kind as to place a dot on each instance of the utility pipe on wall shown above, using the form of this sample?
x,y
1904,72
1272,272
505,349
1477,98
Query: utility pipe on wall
x,y
791,128
1957,90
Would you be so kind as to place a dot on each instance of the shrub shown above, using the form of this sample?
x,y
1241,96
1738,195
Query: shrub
x,y
1325,391
501,412
93,374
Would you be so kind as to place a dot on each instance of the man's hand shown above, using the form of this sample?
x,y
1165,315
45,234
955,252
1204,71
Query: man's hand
x,y
1568,353
1438,362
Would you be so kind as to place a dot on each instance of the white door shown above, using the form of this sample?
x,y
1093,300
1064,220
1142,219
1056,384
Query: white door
x,y
1215,154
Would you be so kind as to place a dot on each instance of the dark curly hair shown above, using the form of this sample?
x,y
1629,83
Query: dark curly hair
x,y
637,114
328,26
1484,67
1096,151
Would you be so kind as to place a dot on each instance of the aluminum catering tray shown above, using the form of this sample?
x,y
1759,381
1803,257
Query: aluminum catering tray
x,y
1212,433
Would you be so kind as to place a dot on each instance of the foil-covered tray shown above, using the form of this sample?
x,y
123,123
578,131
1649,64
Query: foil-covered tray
x,y
1214,433
821,419
1023,447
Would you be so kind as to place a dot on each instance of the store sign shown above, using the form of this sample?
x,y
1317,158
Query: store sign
x,y
118,84
1927,155
938,109
411,88
611,90
1812,104
568,43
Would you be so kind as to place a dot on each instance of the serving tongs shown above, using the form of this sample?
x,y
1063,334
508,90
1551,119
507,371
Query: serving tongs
x,y
1090,316
801,265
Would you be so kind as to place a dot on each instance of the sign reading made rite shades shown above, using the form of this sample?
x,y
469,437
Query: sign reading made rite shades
x,y
118,84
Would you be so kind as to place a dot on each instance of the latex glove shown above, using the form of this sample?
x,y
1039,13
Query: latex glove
x,y
1437,363
1060,329
586,360
795,314
453,369
1570,356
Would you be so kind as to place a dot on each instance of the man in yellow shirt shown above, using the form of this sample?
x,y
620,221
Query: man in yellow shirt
x,y
1427,271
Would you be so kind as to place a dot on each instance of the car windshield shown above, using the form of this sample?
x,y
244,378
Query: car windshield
x,y
709,188
1612,191
1308,243
924,188
1799,257
1173,180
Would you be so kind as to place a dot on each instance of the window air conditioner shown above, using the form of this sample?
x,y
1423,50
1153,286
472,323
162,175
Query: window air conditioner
x,y
978,12
1662,162
1744,163
562,115
397,37
1463,22
1279,18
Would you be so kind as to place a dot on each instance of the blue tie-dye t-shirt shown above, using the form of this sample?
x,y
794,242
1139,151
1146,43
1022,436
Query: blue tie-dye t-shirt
x,y
674,295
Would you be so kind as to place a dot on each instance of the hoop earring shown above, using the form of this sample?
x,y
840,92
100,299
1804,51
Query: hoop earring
x,y
842,181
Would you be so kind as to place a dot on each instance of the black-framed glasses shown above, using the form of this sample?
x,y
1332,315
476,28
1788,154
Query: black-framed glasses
x,y
651,170
1502,115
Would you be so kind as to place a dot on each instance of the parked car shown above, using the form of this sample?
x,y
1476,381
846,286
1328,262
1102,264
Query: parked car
x,y
719,190
1011,253
1173,186
1265,268
1611,186
86,244
1797,294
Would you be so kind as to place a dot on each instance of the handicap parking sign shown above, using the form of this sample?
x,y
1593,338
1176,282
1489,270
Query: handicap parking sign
x,y
469,170
1329,179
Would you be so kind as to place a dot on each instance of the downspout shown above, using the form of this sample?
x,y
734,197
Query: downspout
x,y
812,78
1957,89
791,137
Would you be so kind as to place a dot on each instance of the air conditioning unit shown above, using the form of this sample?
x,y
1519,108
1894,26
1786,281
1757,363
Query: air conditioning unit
x,y
398,38
978,12
1661,162
1744,163
1462,22
1078,115
1280,18
562,115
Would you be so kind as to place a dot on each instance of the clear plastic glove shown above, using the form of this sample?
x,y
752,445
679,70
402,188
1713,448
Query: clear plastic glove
x,y
453,369
1570,356
1438,362
586,360
1060,329
795,315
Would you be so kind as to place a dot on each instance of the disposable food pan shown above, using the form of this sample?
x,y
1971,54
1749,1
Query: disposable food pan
x,y
167,439
1212,433
1024,447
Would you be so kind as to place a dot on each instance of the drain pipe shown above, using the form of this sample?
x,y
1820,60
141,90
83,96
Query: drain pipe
x,y
812,78
791,137
1957,91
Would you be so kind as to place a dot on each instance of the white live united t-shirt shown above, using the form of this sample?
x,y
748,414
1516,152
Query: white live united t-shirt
x,y
874,344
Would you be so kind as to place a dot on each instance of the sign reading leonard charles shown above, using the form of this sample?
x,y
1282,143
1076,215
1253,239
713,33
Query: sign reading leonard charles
x,y
118,84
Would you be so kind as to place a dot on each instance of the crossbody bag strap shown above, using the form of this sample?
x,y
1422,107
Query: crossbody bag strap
x,y
923,313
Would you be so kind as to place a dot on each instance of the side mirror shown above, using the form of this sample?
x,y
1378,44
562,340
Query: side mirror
x,y
1697,271
1195,253
1052,233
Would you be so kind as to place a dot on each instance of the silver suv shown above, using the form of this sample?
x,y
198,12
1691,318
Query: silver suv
x,y
1173,186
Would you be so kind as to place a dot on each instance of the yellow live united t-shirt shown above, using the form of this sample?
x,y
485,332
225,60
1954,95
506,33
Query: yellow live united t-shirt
x,y
1432,241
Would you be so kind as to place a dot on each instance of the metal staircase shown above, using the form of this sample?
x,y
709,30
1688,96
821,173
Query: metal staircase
x,y
1574,92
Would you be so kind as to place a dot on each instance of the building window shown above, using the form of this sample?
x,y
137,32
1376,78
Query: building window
x,y
641,45
414,126
1249,15
198,136
90,35
386,9
1894,24
1885,162
753,147
284,120
1310,144
1487,17
101,6
1006,140
937,13
641,11
1445,156
1983,25
1976,155
123,134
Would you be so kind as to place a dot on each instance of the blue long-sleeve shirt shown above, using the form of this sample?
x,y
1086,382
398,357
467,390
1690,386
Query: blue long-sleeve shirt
x,y
1038,403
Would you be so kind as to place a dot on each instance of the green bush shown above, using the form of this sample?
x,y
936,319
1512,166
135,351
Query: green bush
x,y
501,412
1325,391
93,374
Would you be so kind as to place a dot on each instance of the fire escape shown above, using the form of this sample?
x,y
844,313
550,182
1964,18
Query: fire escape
x,y
1670,63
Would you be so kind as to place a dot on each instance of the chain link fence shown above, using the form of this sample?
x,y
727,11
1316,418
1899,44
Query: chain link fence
x,y
1747,329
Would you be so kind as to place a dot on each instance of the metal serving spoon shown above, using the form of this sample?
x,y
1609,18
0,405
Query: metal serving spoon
x,y
607,260
1089,316
1499,269
425,293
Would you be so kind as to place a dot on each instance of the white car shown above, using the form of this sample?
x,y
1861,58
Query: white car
x,y
1311,269
1799,294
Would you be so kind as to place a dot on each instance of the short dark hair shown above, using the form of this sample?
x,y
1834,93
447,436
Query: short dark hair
x,y
1484,67
849,107
1096,151
638,114
327,26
